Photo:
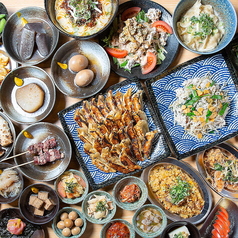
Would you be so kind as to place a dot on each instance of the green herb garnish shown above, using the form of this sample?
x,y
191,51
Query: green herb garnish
x,y
101,206
206,25
70,187
180,191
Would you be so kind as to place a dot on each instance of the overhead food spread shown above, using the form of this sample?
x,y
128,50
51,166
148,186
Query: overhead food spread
x,y
148,150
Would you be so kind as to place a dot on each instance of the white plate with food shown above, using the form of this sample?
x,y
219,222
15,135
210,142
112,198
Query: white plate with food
x,y
197,103
217,166
46,151
185,189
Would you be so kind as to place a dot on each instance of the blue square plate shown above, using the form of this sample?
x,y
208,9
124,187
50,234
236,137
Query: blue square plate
x,y
96,177
162,93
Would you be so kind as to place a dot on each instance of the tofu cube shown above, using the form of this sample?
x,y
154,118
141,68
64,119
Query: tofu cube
x,y
49,204
37,203
32,199
39,212
43,195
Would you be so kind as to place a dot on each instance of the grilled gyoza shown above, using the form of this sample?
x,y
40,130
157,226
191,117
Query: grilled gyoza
x,y
115,131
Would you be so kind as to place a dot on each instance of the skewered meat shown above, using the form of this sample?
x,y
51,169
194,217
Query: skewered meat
x,y
42,146
48,156
115,131
45,152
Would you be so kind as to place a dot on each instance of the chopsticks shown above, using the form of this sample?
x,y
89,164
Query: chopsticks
x,y
19,165
14,156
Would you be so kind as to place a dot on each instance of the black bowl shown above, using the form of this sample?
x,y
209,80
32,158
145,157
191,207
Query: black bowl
x,y
171,47
194,232
3,10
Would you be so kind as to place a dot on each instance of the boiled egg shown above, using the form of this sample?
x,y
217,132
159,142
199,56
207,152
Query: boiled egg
x,y
84,77
78,62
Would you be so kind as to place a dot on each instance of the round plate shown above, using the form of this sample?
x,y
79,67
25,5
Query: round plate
x,y
201,168
92,219
98,62
8,149
11,213
12,34
40,131
29,74
128,180
195,175
107,225
4,200
58,231
171,47
72,200
27,210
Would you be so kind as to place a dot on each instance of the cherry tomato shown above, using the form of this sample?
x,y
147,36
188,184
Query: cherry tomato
x,y
163,26
115,52
130,12
151,63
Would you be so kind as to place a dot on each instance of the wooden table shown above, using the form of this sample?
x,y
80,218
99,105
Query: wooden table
x,y
92,230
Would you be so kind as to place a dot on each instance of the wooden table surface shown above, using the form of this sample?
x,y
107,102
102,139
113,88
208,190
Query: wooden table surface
x,y
62,101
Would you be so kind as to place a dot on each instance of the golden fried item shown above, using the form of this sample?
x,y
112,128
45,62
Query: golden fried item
x,y
115,131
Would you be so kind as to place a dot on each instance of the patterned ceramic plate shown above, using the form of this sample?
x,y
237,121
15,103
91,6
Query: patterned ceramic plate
x,y
96,177
162,93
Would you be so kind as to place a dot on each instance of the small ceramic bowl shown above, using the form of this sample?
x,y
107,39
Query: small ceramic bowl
x,y
193,230
107,225
29,212
67,210
12,34
87,32
149,234
9,198
92,219
29,75
8,149
129,180
224,10
84,183
98,62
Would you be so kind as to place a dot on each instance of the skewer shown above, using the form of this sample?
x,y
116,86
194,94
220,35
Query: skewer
x,y
14,156
19,165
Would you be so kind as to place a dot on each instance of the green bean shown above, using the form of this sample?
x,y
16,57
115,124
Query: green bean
x,y
2,24
2,16
223,109
216,97
192,101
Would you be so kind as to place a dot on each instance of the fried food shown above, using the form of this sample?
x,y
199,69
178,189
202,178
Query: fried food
x,y
176,191
115,131
4,60
221,167
5,133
